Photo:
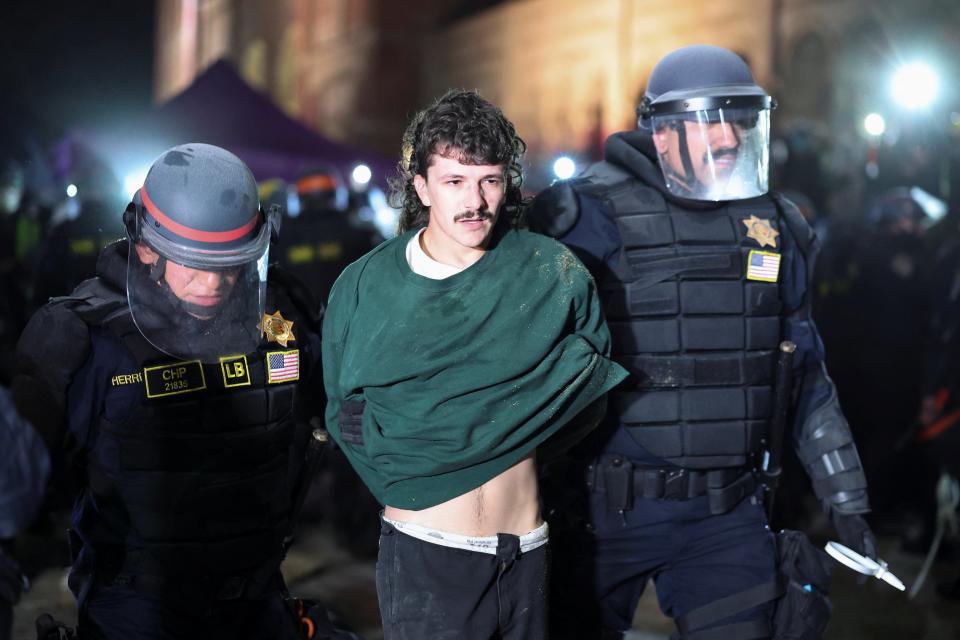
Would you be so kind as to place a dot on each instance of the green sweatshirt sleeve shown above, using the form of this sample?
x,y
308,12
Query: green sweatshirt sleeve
x,y
340,306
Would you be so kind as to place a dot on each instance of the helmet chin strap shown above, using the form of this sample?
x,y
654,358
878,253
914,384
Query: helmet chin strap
x,y
157,270
685,153
688,180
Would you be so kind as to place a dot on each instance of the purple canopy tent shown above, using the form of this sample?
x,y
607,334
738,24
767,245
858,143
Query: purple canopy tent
x,y
220,108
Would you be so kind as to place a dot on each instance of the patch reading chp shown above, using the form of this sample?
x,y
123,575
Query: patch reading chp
x,y
174,379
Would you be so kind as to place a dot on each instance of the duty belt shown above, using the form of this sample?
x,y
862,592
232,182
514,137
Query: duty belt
x,y
621,481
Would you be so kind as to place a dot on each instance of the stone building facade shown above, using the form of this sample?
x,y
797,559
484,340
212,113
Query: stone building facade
x,y
567,72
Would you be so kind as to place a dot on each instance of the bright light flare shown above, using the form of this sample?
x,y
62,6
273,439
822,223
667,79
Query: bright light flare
x,y
564,167
915,85
71,191
874,124
361,174
134,180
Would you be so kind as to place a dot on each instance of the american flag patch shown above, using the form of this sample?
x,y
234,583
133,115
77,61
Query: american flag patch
x,y
283,366
763,266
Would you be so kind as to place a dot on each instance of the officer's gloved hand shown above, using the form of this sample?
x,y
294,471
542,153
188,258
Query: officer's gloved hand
x,y
855,533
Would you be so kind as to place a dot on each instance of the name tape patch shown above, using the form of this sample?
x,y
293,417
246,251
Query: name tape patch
x,y
126,378
174,379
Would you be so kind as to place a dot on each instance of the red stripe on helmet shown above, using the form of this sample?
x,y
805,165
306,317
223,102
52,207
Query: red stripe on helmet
x,y
195,234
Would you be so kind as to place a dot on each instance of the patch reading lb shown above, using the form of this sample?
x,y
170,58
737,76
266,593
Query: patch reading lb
x,y
235,371
763,266
174,379
283,366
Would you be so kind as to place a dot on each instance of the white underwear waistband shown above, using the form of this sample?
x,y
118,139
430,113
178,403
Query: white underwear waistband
x,y
482,544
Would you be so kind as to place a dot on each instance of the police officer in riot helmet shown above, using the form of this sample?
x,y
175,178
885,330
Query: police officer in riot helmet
x,y
703,273
325,237
178,384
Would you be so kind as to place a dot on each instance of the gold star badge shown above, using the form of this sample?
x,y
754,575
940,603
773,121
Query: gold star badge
x,y
761,231
276,328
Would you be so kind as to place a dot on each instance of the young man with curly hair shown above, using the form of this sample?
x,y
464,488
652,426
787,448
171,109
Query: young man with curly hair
x,y
451,353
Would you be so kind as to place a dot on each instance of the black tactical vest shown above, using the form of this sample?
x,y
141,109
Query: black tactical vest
x,y
200,471
693,309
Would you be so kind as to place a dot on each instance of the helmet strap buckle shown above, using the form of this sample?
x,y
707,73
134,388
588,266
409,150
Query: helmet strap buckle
x,y
157,269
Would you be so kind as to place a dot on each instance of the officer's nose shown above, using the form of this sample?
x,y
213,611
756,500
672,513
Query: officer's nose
x,y
722,134
211,280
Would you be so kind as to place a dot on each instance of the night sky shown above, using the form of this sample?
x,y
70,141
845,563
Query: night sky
x,y
73,64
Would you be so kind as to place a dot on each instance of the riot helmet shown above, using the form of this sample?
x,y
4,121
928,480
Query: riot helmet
x,y
322,190
901,211
199,247
710,124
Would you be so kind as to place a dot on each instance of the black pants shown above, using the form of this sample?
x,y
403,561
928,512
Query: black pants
x,y
431,591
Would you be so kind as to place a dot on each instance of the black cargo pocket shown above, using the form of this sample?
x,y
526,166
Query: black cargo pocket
x,y
351,421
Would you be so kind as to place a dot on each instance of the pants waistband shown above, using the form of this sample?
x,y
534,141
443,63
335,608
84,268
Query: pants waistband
x,y
481,544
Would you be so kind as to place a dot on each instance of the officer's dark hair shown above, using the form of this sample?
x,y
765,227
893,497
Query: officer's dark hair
x,y
463,126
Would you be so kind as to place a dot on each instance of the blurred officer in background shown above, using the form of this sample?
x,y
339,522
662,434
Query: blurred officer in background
x,y
321,240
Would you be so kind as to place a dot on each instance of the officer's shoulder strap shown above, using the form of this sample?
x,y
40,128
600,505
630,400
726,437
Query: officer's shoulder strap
x,y
800,230
556,210
53,347
299,294
99,304
96,302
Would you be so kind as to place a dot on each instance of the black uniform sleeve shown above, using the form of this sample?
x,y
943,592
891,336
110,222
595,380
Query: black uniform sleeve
x,y
822,436
287,289
52,347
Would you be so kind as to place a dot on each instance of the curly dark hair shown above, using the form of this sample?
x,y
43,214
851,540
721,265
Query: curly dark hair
x,y
460,125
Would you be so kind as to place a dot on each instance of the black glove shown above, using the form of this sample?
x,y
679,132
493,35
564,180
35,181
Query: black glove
x,y
855,533
11,578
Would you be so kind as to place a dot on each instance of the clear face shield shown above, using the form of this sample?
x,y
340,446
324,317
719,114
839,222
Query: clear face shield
x,y
196,305
713,148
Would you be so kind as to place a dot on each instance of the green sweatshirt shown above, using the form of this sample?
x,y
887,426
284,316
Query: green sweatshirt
x,y
461,377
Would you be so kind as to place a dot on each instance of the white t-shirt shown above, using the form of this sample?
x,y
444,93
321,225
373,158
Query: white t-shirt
x,y
424,265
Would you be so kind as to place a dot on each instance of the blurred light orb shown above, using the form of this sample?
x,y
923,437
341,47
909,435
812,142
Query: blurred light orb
x,y
564,167
361,174
915,85
874,124
71,191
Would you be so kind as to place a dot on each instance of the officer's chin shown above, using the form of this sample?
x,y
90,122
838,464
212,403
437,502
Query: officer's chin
x,y
201,311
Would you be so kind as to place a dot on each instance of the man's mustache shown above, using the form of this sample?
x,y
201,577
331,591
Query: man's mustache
x,y
719,153
467,215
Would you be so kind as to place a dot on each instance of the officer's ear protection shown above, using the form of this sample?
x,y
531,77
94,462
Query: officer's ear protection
x,y
643,113
131,221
